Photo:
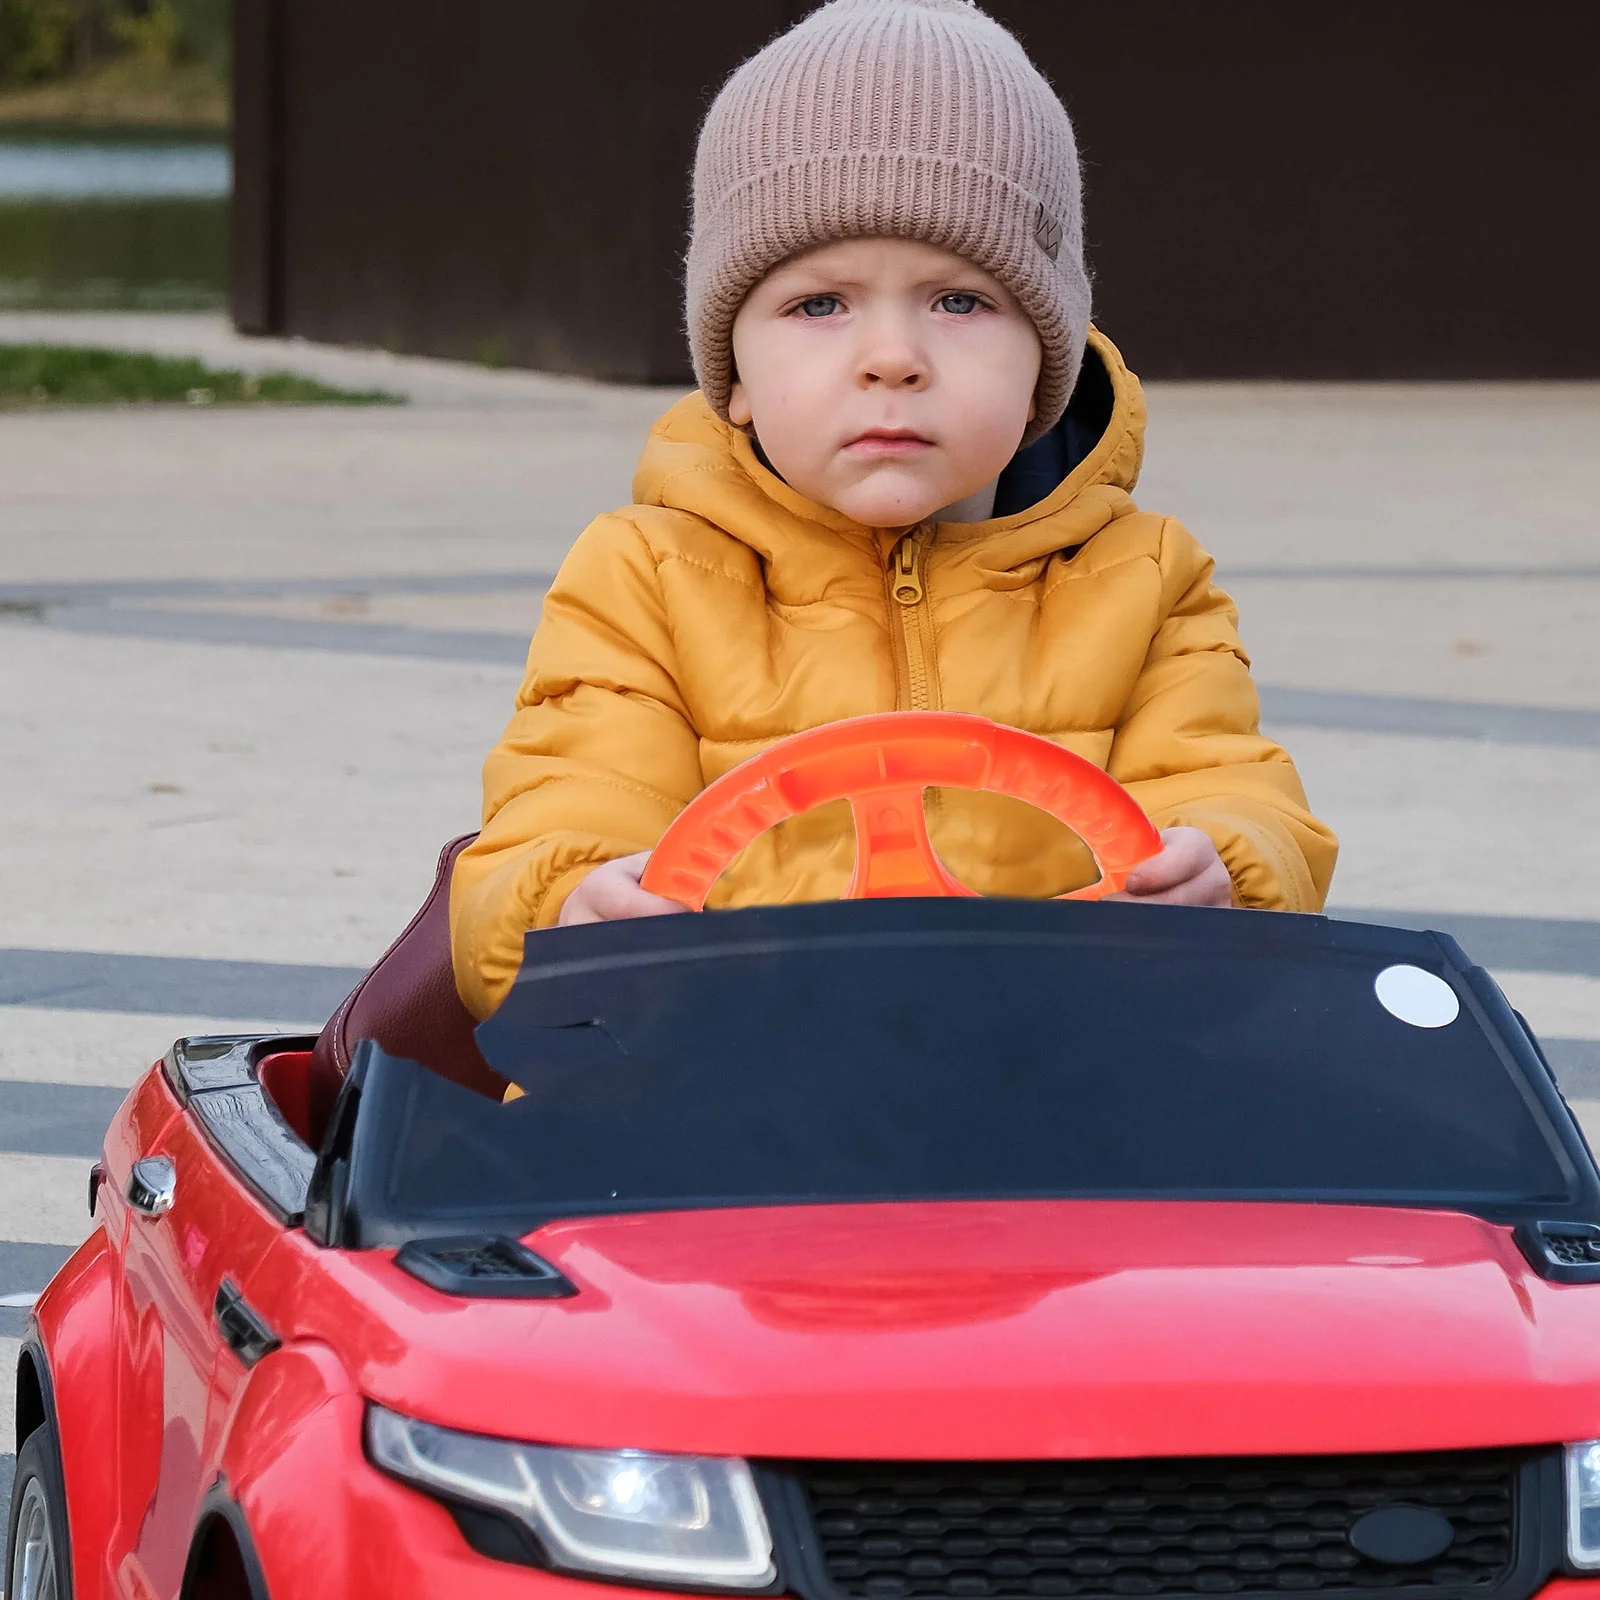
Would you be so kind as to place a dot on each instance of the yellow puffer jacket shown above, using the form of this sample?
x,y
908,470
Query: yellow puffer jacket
x,y
723,611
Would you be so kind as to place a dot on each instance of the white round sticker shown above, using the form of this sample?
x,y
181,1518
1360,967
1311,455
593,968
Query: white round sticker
x,y
1417,997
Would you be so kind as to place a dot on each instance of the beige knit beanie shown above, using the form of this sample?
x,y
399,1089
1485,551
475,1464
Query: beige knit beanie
x,y
918,119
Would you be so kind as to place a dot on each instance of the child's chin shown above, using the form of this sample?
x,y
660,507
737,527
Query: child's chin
x,y
887,505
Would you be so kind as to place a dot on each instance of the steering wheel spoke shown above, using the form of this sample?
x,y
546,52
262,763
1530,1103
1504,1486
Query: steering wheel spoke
x,y
895,857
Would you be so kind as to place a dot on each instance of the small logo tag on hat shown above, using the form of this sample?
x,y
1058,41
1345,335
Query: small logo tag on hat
x,y
1047,231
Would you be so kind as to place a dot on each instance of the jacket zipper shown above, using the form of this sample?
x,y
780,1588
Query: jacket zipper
x,y
910,595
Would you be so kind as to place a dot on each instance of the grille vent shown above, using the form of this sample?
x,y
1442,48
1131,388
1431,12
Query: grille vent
x,y
1565,1252
484,1266
1228,1526
1573,1252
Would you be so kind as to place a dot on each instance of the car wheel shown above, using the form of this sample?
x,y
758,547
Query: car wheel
x,y
38,1560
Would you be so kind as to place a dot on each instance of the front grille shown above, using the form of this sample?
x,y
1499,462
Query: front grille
x,y
1204,1527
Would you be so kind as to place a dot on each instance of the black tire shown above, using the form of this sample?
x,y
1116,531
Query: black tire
x,y
38,1499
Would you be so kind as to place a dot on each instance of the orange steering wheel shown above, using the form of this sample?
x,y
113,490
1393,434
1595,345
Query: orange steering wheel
x,y
882,764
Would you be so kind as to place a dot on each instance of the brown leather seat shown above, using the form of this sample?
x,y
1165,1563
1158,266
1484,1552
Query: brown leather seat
x,y
408,1003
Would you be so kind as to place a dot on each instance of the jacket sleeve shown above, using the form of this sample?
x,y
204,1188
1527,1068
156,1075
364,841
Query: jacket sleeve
x,y
596,761
1189,744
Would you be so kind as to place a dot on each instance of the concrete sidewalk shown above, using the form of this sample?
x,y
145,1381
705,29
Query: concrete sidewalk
x,y
255,658
318,615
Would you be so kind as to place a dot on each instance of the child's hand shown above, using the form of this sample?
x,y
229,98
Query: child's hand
x,y
1187,872
611,892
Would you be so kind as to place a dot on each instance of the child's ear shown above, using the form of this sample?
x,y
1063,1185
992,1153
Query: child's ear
x,y
739,413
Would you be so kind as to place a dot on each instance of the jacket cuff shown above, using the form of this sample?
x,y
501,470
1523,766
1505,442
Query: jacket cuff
x,y
1268,868
555,897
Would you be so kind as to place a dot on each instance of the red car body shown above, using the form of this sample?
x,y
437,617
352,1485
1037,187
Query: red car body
x,y
927,1331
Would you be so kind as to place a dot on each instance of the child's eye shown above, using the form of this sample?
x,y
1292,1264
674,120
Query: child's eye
x,y
959,304
819,305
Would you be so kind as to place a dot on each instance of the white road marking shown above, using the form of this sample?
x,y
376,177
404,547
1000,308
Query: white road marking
x,y
39,1044
9,1350
44,1199
1557,1005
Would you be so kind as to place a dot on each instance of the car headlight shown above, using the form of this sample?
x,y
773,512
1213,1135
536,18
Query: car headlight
x,y
1583,1504
620,1513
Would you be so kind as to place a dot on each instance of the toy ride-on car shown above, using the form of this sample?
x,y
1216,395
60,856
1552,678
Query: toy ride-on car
x,y
900,1249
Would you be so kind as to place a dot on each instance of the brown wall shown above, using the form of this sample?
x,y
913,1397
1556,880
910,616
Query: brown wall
x,y
1377,188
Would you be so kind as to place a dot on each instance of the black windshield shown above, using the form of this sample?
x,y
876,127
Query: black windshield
x,y
975,1049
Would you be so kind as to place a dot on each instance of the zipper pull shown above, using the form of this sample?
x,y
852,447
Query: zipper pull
x,y
905,581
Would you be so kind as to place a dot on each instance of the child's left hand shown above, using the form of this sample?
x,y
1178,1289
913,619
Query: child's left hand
x,y
1187,872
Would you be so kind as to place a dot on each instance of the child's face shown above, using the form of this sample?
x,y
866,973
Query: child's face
x,y
867,337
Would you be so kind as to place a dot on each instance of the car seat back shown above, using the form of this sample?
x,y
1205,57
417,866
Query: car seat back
x,y
408,1003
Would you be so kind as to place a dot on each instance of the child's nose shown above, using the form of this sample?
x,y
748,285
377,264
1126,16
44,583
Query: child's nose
x,y
893,367
890,355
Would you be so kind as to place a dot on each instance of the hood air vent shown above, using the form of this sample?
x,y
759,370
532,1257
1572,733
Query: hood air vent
x,y
483,1267
1564,1252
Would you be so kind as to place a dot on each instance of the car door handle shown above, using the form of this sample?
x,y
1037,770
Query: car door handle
x,y
152,1186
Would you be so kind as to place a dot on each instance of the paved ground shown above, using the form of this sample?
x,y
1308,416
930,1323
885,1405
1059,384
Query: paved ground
x,y
256,657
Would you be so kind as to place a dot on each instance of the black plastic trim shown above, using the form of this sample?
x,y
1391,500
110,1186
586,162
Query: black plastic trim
x,y
33,1347
1533,1239
260,1146
1533,1039
536,1278
496,1536
204,1062
326,1218
220,1506
243,1329
216,1077
1539,1551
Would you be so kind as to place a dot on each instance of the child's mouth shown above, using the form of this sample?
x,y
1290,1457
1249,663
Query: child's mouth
x,y
888,442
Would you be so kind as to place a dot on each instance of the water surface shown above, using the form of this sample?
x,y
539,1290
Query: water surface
x,y
44,171
109,223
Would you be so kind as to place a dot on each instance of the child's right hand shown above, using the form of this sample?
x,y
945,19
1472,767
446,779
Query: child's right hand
x,y
611,892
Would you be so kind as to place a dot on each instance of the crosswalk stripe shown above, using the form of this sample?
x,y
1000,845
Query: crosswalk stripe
x,y
44,1199
1556,1004
9,1350
44,1044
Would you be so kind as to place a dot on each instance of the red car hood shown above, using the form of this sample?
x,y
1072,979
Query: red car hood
x,y
1031,1329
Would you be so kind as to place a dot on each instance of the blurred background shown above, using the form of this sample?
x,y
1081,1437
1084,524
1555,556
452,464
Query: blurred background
x,y
114,166
325,328
1368,191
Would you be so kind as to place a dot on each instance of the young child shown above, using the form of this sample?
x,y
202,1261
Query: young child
x,y
905,483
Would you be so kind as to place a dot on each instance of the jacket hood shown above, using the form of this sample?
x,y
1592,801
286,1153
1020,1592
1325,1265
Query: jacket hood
x,y
697,463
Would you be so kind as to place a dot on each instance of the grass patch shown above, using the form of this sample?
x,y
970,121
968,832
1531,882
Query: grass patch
x,y
65,375
128,93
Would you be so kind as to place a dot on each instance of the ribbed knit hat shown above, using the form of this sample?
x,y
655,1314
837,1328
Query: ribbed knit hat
x,y
915,119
